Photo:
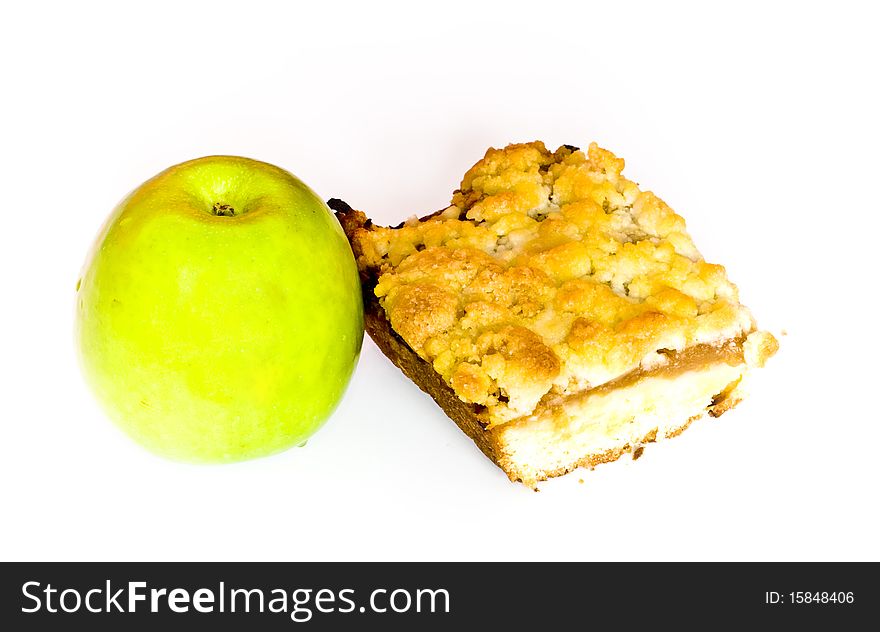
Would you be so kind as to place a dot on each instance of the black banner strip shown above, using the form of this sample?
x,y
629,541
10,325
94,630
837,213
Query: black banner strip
x,y
432,596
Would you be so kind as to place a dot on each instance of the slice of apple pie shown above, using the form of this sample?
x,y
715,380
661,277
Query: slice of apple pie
x,y
560,315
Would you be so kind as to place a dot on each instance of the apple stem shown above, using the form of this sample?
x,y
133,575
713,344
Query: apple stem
x,y
223,210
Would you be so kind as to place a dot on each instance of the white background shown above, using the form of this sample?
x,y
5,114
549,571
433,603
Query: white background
x,y
759,124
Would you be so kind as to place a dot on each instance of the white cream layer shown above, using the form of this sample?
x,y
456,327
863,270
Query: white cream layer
x,y
612,419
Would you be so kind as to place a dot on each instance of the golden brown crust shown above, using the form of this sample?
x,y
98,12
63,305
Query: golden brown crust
x,y
467,416
726,399
550,273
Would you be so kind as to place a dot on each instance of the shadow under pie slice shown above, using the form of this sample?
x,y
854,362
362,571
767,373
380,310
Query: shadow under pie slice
x,y
558,314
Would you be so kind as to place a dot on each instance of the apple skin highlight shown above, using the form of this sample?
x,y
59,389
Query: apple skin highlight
x,y
219,313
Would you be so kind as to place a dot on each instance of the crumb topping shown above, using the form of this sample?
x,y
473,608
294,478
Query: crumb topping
x,y
550,273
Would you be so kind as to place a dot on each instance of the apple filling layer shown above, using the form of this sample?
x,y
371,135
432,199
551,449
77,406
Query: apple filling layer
x,y
666,364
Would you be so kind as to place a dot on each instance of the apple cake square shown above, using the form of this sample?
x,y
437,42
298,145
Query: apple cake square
x,y
560,315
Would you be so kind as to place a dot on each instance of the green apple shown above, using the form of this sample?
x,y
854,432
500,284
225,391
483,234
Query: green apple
x,y
219,313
